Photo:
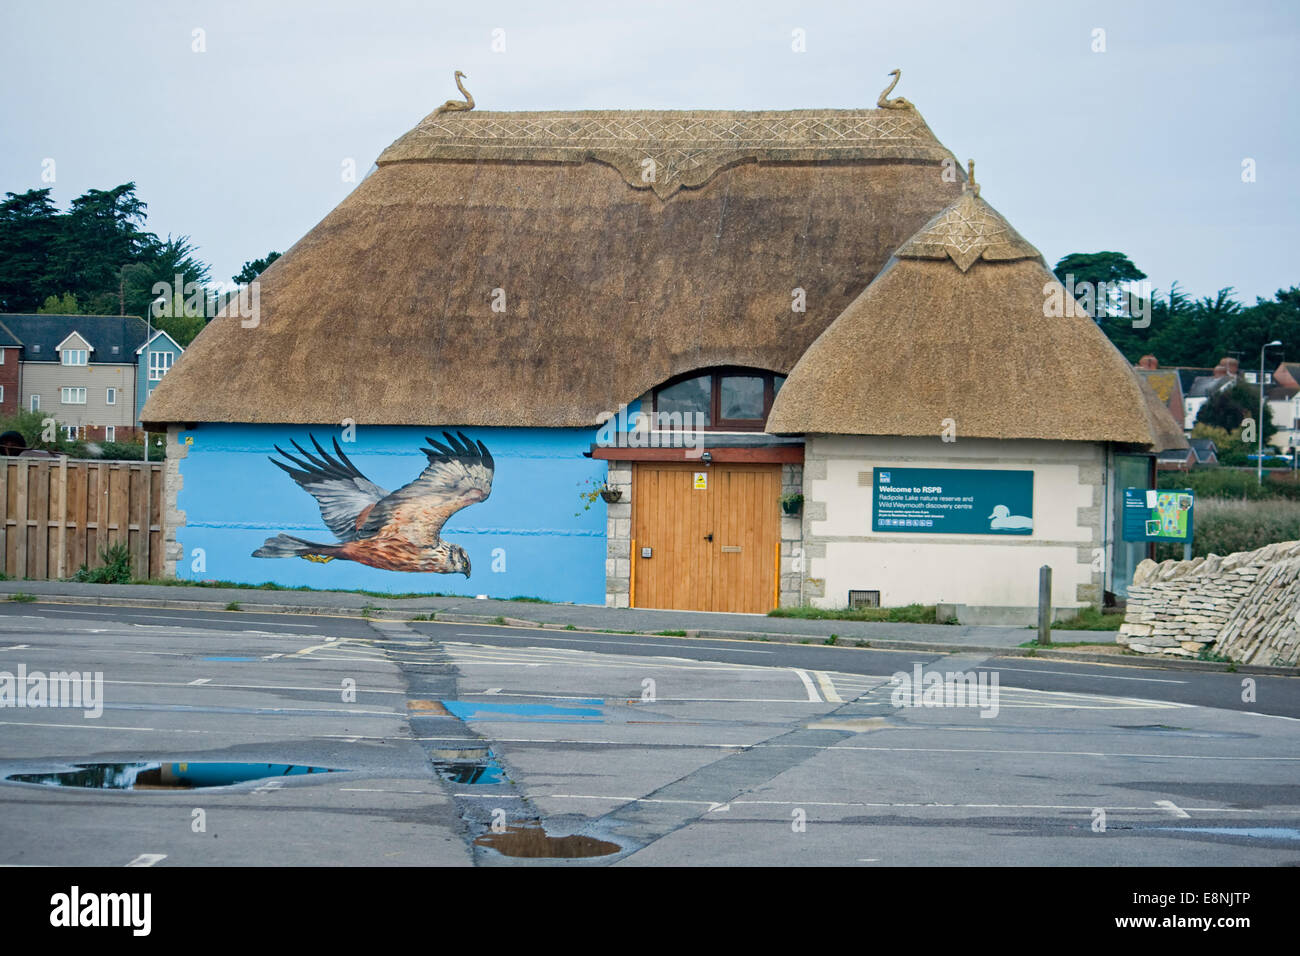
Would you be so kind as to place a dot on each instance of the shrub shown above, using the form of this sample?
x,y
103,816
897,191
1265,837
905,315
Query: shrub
x,y
1224,526
115,570
1231,483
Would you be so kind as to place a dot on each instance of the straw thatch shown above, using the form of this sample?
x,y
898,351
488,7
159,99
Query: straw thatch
x,y
956,327
383,313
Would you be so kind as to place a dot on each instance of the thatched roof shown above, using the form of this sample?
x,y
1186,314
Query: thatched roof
x,y
613,283
957,327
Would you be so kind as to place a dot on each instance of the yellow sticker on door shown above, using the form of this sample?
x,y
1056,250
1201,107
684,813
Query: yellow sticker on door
x,y
701,481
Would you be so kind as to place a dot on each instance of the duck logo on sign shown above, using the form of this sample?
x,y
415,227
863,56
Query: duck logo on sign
x,y
701,481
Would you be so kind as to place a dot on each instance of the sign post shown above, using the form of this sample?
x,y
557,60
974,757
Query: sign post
x,y
1045,605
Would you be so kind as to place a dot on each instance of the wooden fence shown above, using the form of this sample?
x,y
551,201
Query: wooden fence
x,y
61,514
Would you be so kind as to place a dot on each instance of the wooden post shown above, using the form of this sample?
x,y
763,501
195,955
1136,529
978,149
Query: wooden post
x,y
631,576
146,520
61,542
20,520
1044,605
776,583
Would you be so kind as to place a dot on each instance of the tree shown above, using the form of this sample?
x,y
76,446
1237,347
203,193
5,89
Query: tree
x,y
100,235
1097,270
1229,407
254,268
29,226
54,305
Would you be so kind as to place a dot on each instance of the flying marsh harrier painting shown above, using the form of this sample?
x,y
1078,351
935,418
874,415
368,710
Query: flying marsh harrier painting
x,y
393,532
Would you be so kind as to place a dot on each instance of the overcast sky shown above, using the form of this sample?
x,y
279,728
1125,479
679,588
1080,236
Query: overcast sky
x,y
1138,148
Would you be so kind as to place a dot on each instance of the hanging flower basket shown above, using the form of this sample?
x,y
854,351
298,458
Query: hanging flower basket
x,y
792,504
611,495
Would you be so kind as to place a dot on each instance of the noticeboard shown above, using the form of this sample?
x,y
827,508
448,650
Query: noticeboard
x,y
1158,514
952,501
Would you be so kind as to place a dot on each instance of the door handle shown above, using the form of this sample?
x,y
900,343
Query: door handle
x,y
709,536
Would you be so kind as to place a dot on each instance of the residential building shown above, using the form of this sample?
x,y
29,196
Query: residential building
x,y
88,372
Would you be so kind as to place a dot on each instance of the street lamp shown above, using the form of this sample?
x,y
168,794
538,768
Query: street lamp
x,y
1259,464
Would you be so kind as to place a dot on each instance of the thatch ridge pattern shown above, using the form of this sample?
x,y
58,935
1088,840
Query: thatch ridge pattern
x,y
687,147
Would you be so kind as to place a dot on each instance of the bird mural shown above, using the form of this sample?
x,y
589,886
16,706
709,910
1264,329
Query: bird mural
x,y
397,531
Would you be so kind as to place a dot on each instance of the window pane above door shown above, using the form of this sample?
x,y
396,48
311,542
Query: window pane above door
x,y
692,395
742,397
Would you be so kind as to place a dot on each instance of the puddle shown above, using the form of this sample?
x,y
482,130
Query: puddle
x,y
852,725
1259,833
163,776
480,772
534,842
433,708
545,713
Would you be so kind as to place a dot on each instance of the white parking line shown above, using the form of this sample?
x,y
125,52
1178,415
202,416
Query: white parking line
x,y
148,859
195,683
571,640
1035,670
828,689
808,685
1173,809
126,618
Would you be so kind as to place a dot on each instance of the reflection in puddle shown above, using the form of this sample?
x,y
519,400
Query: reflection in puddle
x,y
163,776
547,713
470,771
1259,833
534,842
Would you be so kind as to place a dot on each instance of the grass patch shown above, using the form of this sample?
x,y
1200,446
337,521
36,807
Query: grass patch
x,y
1090,619
233,606
524,599
1035,643
422,617
910,614
370,610
272,586
671,633
1231,483
22,597
832,640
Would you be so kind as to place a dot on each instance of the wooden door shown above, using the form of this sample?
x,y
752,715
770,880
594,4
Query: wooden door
x,y
713,548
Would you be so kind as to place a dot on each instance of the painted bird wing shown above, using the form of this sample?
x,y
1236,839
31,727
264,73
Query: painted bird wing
x,y
459,473
342,492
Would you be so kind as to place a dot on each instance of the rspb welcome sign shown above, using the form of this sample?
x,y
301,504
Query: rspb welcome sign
x,y
953,501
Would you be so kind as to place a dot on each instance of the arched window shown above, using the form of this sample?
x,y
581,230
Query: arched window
x,y
729,399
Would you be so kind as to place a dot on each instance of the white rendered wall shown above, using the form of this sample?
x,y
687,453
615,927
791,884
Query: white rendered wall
x,y
843,553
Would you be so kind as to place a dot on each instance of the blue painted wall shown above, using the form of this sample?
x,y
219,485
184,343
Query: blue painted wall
x,y
533,523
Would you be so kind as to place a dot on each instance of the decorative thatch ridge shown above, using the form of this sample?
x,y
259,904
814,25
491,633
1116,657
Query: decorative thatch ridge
x,y
967,230
687,147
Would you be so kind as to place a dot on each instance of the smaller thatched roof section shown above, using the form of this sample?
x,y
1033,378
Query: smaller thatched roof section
x,y
960,325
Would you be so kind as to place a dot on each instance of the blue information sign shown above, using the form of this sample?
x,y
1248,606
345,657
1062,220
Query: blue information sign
x,y
953,501
1157,515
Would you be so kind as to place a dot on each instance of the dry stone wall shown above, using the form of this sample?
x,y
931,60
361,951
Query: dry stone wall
x,y
1245,606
